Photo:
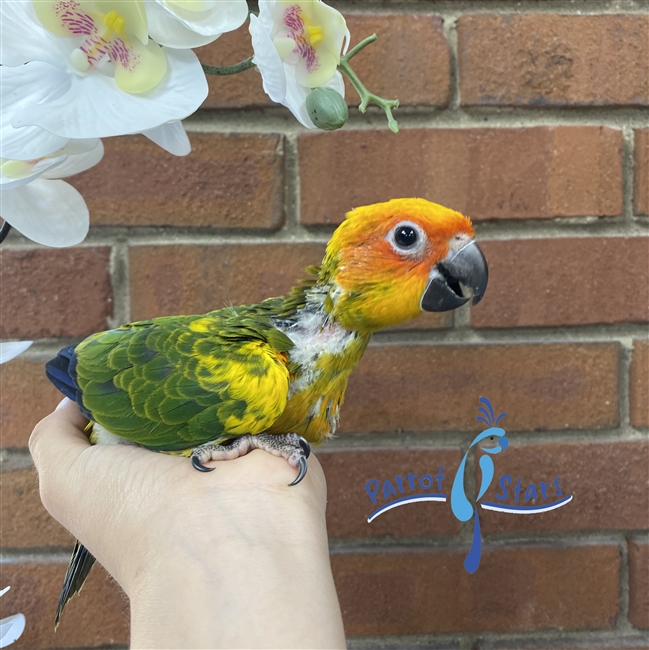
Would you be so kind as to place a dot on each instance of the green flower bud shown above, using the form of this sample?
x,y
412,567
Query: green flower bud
x,y
327,109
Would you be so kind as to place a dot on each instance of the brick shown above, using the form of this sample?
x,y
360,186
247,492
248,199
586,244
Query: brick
x,y
348,504
639,583
566,281
55,292
99,616
509,173
540,387
26,397
597,474
428,591
409,61
639,384
24,522
243,90
228,181
194,279
641,173
547,60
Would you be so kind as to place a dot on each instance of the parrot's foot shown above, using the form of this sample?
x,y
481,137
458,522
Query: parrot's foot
x,y
294,448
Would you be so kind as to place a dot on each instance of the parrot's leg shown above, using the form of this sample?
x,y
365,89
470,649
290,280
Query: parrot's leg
x,y
294,448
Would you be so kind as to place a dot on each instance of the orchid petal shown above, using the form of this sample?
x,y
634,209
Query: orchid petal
x,y
147,73
11,628
21,87
214,18
266,13
9,180
337,30
327,64
175,24
268,62
336,83
172,137
295,100
23,38
48,212
95,108
167,30
8,351
77,162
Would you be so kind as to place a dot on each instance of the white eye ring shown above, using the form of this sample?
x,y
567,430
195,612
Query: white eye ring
x,y
414,250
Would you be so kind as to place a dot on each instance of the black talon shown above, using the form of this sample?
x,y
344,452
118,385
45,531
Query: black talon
x,y
306,447
302,473
201,468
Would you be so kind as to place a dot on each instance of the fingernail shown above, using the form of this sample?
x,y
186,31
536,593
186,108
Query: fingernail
x,y
62,403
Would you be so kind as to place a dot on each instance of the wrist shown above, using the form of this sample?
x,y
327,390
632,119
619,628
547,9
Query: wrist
x,y
252,581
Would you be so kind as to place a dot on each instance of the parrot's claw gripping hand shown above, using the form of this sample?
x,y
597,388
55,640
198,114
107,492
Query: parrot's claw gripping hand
x,y
294,448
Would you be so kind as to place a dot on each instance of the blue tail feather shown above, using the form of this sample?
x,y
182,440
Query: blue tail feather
x,y
61,371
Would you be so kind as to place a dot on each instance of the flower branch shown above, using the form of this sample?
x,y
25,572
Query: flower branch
x,y
224,70
366,96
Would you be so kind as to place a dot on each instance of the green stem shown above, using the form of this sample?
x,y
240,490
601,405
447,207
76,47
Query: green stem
x,y
223,70
366,96
357,48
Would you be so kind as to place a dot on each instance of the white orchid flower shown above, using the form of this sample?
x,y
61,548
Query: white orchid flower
x,y
8,351
192,23
13,626
297,47
77,69
44,209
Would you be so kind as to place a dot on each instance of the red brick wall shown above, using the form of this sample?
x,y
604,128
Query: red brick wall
x,y
531,118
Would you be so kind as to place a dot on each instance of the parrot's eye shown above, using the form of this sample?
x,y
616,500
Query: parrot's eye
x,y
405,236
408,240
491,437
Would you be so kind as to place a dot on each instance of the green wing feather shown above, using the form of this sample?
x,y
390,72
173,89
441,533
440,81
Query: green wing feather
x,y
176,382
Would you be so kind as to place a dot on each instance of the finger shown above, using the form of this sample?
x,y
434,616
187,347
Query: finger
x,y
70,412
60,436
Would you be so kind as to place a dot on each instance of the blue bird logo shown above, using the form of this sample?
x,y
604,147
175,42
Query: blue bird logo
x,y
492,441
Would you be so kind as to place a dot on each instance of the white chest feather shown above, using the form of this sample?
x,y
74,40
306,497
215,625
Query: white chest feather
x,y
314,336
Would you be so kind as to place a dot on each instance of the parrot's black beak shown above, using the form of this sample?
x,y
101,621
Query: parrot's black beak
x,y
465,269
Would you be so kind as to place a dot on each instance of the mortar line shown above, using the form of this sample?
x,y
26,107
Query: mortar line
x,y
586,639
624,383
497,230
292,187
623,622
563,7
628,147
119,273
554,539
441,440
276,120
449,28
534,335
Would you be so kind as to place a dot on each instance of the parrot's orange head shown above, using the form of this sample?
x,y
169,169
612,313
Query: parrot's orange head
x,y
389,261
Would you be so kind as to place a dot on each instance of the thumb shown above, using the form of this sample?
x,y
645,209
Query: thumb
x,y
59,439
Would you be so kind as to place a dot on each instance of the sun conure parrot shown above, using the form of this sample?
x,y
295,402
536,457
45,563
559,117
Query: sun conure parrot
x,y
272,375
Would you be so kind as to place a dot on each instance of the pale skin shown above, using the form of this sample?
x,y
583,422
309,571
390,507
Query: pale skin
x,y
230,559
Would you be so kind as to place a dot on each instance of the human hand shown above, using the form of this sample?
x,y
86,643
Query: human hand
x,y
235,558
